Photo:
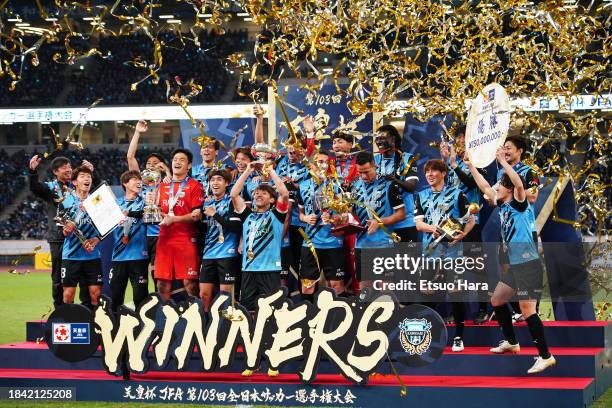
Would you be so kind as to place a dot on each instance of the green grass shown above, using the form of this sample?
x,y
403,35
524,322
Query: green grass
x,y
27,297
605,401
24,298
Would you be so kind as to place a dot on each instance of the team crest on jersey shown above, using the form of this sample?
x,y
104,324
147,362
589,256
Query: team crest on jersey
x,y
415,335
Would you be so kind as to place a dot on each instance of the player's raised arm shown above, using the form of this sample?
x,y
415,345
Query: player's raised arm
x,y
283,193
258,111
236,193
141,127
482,184
519,190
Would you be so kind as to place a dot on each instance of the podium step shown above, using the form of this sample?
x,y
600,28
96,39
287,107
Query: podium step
x,y
593,363
558,334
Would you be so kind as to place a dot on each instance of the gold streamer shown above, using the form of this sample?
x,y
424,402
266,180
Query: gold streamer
x,y
377,218
309,282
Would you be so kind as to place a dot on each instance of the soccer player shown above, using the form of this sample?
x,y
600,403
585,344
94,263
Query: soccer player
x,y
154,161
346,172
380,195
130,257
293,172
328,248
399,168
208,151
262,230
459,176
80,255
180,201
342,144
242,157
53,193
514,149
524,276
432,207
220,260
287,256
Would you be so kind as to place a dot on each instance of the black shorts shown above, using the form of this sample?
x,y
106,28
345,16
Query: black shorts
x,y
152,248
90,271
134,271
408,234
331,261
472,243
286,261
255,284
526,279
475,235
136,268
222,270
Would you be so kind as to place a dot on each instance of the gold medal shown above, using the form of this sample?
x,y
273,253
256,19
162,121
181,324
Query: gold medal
x,y
250,254
309,283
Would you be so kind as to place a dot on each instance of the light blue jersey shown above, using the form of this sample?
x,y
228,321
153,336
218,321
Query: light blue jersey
x,y
516,232
261,240
218,242
530,180
136,246
310,200
73,249
297,172
403,167
384,198
435,208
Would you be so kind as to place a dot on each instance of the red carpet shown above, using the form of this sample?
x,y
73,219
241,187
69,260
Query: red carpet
x,y
376,379
546,324
558,351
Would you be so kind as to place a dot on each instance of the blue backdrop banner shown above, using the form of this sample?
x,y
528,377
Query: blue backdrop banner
x,y
222,129
326,106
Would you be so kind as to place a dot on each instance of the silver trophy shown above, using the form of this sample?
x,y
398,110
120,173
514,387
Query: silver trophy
x,y
151,178
264,155
64,219
321,203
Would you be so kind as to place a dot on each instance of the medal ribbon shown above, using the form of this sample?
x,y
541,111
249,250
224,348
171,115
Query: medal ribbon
x,y
172,200
254,227
344,171
219,206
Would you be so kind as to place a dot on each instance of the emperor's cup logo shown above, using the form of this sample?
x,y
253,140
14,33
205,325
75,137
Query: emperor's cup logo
x,y
61,333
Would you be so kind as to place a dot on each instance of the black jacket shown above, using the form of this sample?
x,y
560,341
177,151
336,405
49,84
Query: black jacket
x,y
51,197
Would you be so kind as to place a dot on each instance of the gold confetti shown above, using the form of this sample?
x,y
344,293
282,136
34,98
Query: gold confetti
x,y
435,56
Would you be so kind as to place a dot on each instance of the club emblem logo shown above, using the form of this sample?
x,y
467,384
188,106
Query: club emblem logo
x,y
415,335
